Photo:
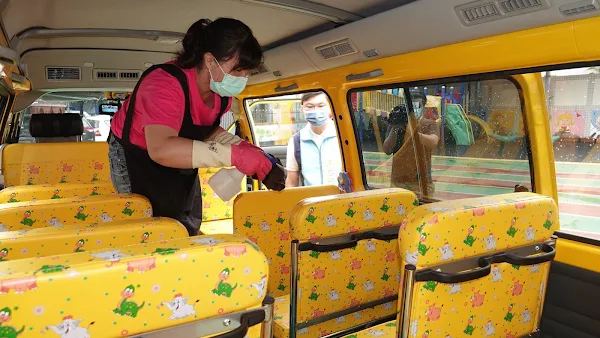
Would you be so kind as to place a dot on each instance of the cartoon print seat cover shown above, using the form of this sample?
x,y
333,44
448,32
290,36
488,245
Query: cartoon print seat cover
x,y
79,210
505,303
131,290
330,282
263,217
63,240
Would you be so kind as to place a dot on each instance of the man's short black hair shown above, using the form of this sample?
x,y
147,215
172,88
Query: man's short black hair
x,y
308,96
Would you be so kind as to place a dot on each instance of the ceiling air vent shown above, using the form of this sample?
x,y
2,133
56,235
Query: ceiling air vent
x,y
337,49
109,75
129,75
518,5
63,73
580,7
262,69
482,11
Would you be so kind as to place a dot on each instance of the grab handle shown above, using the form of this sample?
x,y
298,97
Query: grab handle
x,y
247,320
364,76
280,89
484,269
318,247
380,235
547,256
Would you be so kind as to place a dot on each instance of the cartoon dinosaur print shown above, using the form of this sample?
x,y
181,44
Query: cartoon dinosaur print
x,y
281,286
279,219
470,239
313,294
248,224
55,195
165,251
314,254
63,179
8,331
385,207
51,269
470,328
280,253
422,247
512,231
420,227
145,237
311,218
29,181
94,192
350,212
80,215
385,276
27,220
12,198
127,211
79,245
548,223
351,284
416,203
3,254
430,285
222,288
509,315
126,307
95,178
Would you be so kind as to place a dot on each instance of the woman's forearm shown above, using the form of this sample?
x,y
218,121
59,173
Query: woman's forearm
x,y
430,141
172,152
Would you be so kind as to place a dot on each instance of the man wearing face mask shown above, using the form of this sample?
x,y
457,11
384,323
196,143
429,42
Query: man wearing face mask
x,y
400,142
169,126
313,153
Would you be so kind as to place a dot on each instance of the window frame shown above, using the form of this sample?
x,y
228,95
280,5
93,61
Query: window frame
x,y
335,115
405,86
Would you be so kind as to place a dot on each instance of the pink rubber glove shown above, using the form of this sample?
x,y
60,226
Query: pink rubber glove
x,y
250,160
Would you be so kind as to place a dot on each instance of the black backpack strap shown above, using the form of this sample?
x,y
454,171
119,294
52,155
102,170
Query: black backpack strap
x,y
174,71
297,151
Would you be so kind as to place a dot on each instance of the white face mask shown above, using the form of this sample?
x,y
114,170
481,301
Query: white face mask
x,y
230,85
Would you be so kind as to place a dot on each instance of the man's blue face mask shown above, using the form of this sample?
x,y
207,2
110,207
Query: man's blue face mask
x,y
317,117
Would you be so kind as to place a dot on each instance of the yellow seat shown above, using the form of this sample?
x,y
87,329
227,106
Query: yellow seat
x,y
58,240
133,290
347,261
479,270
52,163
25,193
222,226
263,216
77,210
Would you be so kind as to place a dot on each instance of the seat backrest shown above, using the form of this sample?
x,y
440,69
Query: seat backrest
x,y
25,193
52,163
50,128
135,289
495,244
347,257
263,216
78,210
19,244
213,207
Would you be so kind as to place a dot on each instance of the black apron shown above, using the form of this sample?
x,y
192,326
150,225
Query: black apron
x,y
174,193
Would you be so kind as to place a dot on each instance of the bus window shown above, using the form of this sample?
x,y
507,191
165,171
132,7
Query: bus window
x,y
459,140
573,98
96,126
300,130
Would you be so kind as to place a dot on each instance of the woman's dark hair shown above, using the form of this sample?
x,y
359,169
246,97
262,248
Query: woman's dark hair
x,y
224,38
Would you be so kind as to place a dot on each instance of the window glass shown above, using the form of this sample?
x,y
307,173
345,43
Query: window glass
x,y
460,140
96,126
573,97
300,130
